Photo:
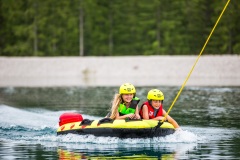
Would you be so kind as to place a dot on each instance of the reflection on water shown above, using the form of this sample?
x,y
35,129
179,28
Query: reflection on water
x,y
209,117
144,152
20,150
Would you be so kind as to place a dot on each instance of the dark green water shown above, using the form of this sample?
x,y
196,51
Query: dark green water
x,y
209,117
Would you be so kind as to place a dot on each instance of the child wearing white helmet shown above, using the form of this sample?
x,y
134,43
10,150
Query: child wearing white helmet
x,y
153,108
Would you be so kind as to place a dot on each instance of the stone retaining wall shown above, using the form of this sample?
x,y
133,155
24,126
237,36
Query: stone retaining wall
x,y
113,71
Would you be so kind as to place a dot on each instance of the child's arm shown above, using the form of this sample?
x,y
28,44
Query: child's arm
x,y
145,112
125,116
137,116
171,120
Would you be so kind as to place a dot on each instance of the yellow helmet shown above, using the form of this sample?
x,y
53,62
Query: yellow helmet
x,y
155,94
127,88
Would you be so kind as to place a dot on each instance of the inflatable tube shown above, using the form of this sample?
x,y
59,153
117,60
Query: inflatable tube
x,y
115,128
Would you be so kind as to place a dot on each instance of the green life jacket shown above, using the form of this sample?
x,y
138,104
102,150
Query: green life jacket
x,y
122,109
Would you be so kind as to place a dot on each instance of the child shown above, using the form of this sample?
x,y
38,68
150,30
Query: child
x,y
153,108
125,104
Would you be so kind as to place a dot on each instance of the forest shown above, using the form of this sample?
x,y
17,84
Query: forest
x,y
117,27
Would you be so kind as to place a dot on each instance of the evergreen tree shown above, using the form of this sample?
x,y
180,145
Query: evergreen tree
x,y
116,27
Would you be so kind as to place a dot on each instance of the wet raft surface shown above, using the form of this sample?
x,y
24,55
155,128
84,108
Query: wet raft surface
x,y
118,128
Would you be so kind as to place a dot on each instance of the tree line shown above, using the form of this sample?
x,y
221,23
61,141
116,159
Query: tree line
x,y
117,27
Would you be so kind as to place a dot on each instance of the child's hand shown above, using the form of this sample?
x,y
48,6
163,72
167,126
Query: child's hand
x,y
137,116
160,118
179,129
131,116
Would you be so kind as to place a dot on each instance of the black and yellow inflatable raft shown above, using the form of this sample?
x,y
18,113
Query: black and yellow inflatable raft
x,y
75,124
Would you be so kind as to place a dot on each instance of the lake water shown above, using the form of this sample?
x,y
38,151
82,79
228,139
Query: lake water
x,y
209,117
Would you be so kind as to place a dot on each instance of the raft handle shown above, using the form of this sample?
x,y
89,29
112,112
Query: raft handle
x,y
132,120
86,122
105,120
158,125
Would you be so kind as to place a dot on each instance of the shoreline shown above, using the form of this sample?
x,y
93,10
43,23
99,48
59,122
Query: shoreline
x,y
211,70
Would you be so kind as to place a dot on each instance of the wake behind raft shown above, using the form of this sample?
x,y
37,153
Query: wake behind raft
x,y
106,127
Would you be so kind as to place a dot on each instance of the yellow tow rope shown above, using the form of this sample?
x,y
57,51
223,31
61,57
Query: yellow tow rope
x,y
183,85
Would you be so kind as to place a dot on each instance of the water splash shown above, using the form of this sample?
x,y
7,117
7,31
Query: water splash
x,y
39,125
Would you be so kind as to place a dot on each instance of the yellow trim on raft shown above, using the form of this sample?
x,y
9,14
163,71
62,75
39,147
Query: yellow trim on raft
x,y
116,124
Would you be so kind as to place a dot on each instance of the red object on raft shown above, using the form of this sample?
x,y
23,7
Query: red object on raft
x,y
69,118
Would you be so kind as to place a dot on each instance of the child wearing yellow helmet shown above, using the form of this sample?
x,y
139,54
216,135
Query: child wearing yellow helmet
x,y
153,108
125,103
